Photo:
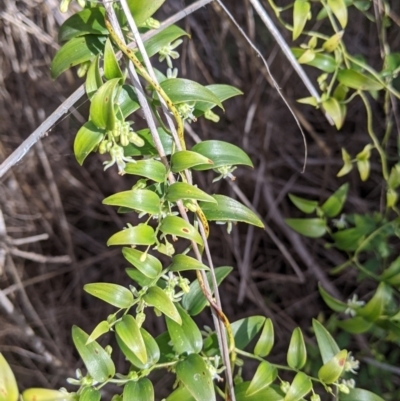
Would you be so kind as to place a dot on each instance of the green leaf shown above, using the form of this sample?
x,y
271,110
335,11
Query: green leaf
x,y
152,351
174,225
111,66
165,37
221,154
392,274
333,369
182,190
333,303
355,325
358,394
44,394
244,330
264,376
183,262
339,9
313,228
167,353
127,102
305,205
228,209
8,384
152,169
323,62
181,90
139,277
102,107
334,204
356,80
332,43
195,376
326,344
157,298
266,341
97,361
195,301
76,51
349,239
87,138
301,11
147,264
271,393
299,388
89,394
129,332
143,9
185,159
93,78
185,337
87,21
180,394
102,328
297,353
139,390
139,235
375,307
113,294
142,200
334,110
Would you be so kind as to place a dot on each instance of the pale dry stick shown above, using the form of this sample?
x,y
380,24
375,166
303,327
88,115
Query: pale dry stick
x,y
27,240
46,126
35,257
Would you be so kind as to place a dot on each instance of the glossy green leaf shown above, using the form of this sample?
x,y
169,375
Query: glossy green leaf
x,y
186,159
305,205
152,169
313,228
182,263
355,325
244,330
323,62
185,337
333,42
195,376
142,200
299,388
102,111
110,63
44,394
221,154
333,109
326,344
93,78
392,274
87,21
183,190
76,51
174,225
143,9
129,332
264,376
97,361
181,90
8,384
90,394
102,328
147,264
333,303
228,209
139,235
333,369
375,307
113,294
297,353
127,102
86,139
139,277
271,393
358,394
349,239
152,351
139,390
167,353
163,38
195,301
180,394
339,9
334,204
301,11
357,80
266,341
157,298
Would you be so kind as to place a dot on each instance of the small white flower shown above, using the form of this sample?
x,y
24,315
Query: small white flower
x,y
117,156
352,305
351,364
168,53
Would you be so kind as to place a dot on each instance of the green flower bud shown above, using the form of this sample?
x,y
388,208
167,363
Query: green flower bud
x,y
82,3
210,115
103,147
285,386
64,5
124,140
315,397
83,68
136,139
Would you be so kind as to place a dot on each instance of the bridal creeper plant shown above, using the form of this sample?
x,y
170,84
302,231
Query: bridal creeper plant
x,y
174,211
